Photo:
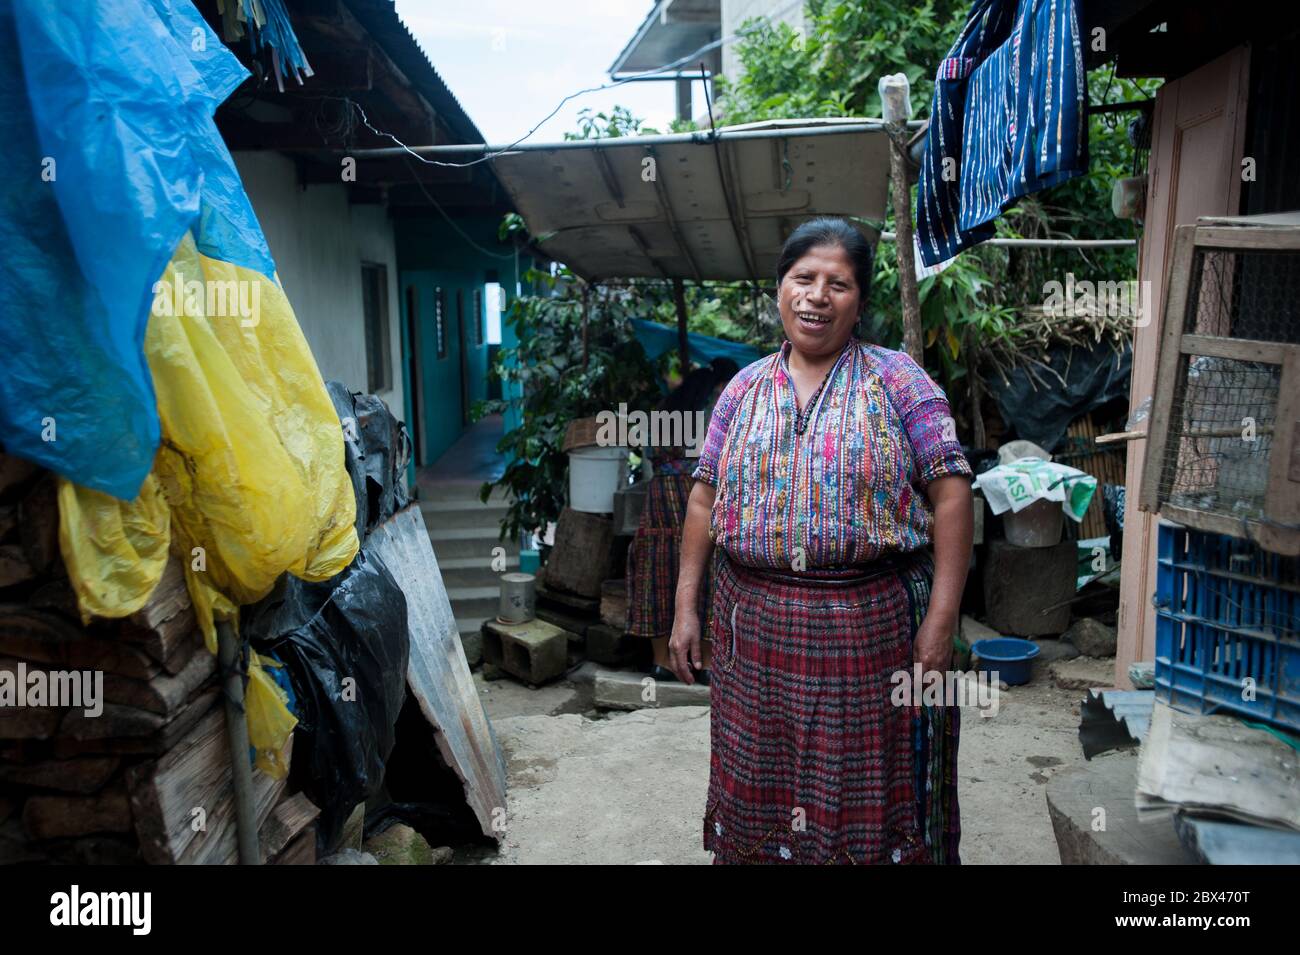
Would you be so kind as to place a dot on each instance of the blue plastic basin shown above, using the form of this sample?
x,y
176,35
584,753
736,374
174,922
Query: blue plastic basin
x,y
1009,657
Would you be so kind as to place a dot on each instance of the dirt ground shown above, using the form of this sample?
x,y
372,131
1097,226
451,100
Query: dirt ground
x,y
621,788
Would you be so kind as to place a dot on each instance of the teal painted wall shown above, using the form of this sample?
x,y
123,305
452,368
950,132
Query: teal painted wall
x,y
431,255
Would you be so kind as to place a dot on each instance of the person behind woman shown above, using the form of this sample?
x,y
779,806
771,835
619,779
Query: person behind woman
x,y
834,503
652,559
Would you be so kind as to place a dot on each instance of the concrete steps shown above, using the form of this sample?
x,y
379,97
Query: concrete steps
x,y
465,533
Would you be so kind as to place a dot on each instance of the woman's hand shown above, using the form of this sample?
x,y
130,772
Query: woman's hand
x,y
684,646
932,647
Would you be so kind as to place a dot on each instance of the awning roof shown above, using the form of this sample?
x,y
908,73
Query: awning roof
x,y
588,205
671,30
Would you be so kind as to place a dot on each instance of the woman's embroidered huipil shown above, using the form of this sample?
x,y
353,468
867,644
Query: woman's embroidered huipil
x,y
848,490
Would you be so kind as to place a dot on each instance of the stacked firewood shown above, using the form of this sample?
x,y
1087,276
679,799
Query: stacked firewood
x,y
137,768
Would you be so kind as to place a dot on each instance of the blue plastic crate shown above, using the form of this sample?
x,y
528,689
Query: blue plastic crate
x,y
1226,610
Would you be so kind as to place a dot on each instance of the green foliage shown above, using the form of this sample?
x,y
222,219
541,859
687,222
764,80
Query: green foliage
x,y
617,122
974,305
561,380
833,69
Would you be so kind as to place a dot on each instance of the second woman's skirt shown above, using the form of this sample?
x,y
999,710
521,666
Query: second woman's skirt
x,y
655,555
811,761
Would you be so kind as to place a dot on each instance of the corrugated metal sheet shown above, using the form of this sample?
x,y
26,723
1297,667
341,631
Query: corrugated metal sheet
x,y
599,210
1109,719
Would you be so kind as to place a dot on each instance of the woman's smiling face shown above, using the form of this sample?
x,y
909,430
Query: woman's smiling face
x,y
820,301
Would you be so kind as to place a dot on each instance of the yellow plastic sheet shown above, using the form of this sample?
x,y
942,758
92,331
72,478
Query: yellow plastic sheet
x,y
114,551
252,457
269,719
249,482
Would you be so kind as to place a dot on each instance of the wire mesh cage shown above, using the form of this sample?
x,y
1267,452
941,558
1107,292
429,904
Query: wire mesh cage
x,y
1222,452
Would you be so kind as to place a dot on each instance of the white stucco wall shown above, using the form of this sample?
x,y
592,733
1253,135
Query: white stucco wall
x,y
736,12
319,242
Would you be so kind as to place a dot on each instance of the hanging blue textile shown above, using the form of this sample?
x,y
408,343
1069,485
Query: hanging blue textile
x,y
1009,117
657,339
107,110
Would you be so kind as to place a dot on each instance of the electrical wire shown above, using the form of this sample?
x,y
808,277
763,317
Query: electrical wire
x,y
740,34
452,222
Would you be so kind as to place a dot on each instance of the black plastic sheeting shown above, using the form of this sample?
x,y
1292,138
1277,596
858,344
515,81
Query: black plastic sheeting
x,y
345,644
378,448
1041,410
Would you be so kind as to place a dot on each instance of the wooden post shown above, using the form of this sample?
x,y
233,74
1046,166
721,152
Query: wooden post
x,y
683,342
586,306
241,772
896,107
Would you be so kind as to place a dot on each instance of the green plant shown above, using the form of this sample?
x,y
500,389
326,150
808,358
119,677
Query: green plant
x,y
576,357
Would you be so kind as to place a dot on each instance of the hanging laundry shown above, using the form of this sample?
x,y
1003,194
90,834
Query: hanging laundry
x,y
1009,117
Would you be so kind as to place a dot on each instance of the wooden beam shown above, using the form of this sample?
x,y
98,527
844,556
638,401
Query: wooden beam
x,y
683,339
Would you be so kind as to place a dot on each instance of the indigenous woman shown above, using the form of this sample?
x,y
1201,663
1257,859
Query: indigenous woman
x,y
834,505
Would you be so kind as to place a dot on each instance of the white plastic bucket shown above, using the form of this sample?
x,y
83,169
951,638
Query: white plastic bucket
x,y
594,477
1038,525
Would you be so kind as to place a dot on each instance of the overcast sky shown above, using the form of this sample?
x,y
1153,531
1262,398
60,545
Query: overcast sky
x,y
510,62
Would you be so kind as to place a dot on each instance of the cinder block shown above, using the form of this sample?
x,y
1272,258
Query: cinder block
x,y
535,652
626,690
1021,582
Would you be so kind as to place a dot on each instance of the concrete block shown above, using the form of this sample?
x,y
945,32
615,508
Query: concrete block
x,y
630,690
581,559
535,652
1021,582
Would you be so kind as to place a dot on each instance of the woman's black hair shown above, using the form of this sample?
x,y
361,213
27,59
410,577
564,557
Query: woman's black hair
x,y
828,230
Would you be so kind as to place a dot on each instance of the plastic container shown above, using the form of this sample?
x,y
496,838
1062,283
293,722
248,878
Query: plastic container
x,y
594,475
1227,627
1010,658
1038,525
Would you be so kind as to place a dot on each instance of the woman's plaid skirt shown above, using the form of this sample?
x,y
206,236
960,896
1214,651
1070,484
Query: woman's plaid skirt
x,y
810,761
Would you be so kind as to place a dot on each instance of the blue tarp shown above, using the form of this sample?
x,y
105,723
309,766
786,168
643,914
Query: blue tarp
x,y
657,339
106,115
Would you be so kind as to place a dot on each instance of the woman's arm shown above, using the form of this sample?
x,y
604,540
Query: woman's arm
x,y
697,547
954,532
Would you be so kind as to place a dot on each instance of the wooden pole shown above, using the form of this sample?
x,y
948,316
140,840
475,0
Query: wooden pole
x,y
896,106
241,772
683,341
586,306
